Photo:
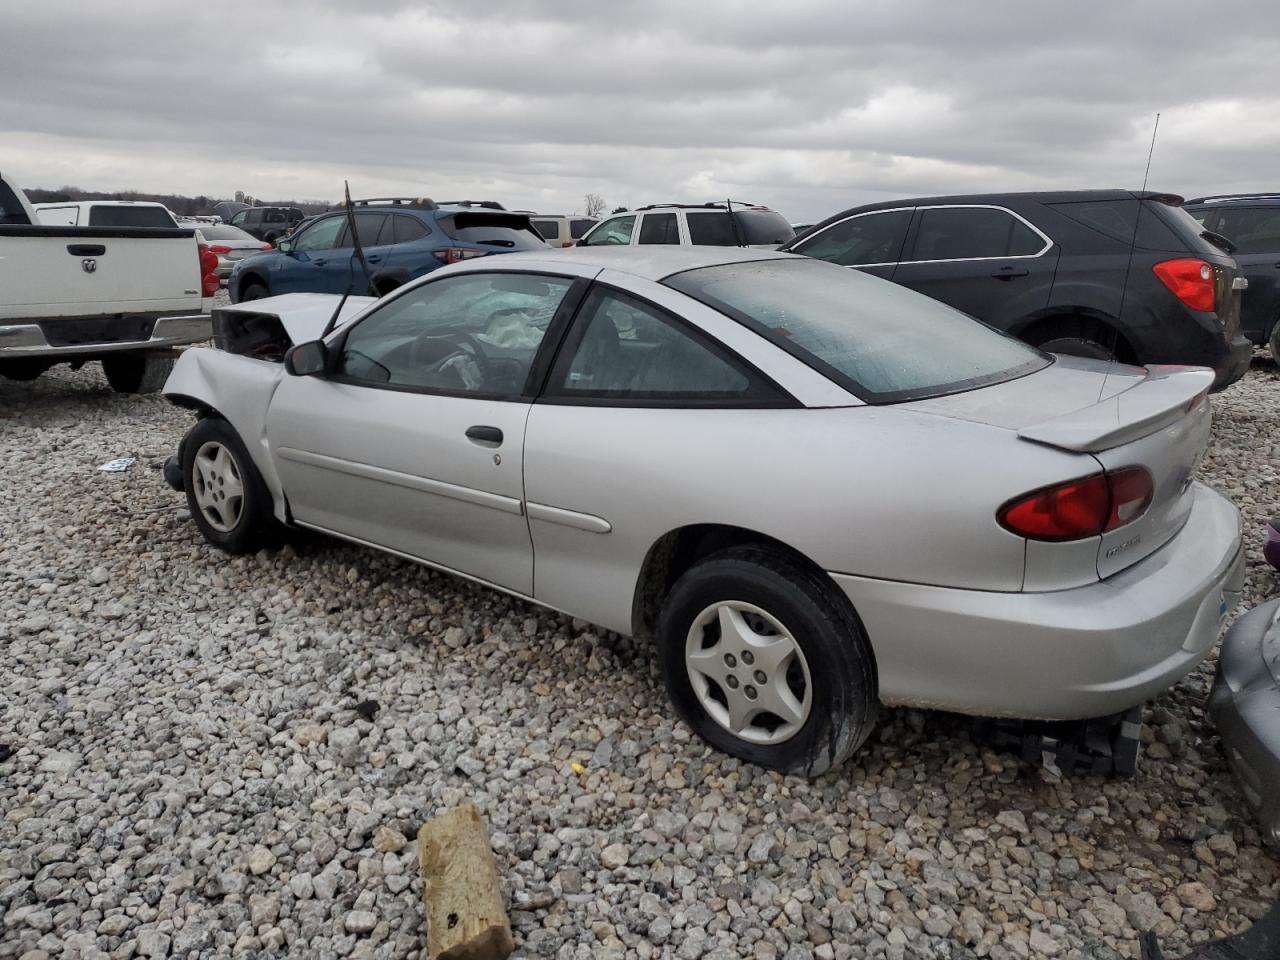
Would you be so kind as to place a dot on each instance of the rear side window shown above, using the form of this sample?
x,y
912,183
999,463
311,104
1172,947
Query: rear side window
x,y
626,350
493,230
858,241
550,229
659,228
763,226
1118,218
130,217
882,342
276,216
407,229
972,233
1251,229
712,229
11,211
578,228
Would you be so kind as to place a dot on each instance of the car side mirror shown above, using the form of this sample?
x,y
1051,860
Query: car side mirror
x,y
285,245
307,359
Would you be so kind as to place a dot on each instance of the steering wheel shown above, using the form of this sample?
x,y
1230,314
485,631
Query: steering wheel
x,y
462,343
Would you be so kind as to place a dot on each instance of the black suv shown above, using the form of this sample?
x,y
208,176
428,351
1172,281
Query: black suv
x,y
1252,223
1063,271
267,224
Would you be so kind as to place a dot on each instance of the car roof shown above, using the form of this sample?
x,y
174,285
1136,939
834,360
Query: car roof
x,y
1263,199
649,263
1031,196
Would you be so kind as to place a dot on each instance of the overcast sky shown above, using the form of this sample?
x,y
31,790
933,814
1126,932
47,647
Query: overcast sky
x,y
808,107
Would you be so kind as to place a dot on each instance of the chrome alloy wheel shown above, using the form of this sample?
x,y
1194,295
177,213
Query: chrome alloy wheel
x,y
218,488
748,672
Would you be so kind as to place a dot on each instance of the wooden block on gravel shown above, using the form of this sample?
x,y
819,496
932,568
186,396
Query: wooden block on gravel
x,y
460,889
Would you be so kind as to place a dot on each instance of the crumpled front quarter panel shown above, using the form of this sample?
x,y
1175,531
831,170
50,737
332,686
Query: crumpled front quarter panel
x,y
240,390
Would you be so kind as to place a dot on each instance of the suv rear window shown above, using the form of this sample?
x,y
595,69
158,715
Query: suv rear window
x,y
763,226
578,228
550,229
1160,226
881,342
1251,229
129,217
493,230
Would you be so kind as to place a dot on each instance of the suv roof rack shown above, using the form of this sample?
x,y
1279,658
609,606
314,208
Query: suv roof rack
x,y
1236,196
425,203
713,205
487,204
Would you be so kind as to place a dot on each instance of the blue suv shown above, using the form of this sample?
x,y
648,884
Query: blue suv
x,y
402,240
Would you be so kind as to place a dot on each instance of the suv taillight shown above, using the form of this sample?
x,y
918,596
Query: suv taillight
x,y
457,254
1190,279
208,265
1088,507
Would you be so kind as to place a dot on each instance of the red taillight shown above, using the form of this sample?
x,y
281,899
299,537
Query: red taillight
x,y
266,246
1191,281
220,249
457,254
569,244
1087,507
208,264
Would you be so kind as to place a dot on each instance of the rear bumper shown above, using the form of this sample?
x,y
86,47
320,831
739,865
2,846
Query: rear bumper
x,y
1068,654
1245,706
28,339
1234,363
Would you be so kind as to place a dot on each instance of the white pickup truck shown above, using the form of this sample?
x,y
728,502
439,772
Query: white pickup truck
x,y
125,296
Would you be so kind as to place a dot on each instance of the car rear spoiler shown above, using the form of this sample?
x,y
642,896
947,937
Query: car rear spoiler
x,y
1162,397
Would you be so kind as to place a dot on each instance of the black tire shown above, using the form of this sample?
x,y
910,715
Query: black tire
x,y
254,290
841,665
138,372
254,524
1274,343
22,369
1080,337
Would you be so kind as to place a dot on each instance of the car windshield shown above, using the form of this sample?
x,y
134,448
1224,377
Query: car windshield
x,y
883,343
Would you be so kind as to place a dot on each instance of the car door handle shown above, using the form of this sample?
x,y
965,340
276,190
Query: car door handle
x,y
87,249
484,434
319,263
1008,273
374,259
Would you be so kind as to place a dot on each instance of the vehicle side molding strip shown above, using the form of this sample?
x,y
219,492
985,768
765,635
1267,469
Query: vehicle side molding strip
x,y
481,498
568,518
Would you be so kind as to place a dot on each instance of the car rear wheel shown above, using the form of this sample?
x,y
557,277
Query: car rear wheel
x,y
766,663
1080,337
228,499
254,291
138,372
1274,343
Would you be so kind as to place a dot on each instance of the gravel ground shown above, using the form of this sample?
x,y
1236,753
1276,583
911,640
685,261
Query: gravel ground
x,y
188,774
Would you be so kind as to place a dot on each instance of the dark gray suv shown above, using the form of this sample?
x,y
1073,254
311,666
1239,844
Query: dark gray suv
x,y
1252,223
1095,273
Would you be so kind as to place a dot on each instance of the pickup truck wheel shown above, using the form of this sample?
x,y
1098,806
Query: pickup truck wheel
x,y
138,372
22,369
254,291
1274,343
228,499
766,663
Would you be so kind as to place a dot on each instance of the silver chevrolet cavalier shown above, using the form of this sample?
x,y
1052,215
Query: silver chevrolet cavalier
x,y
816,490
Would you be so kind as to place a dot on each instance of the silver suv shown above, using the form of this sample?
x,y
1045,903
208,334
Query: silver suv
x,y
694,224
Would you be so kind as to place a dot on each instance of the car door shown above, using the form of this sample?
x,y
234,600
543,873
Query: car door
x,y
982,259
300,267
1255,231
414,442
659,228
870,241
636,400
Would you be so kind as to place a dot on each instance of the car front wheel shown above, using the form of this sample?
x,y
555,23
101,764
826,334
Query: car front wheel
x,y
766,663
228,499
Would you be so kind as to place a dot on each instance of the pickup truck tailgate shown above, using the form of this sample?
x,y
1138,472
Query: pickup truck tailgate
x,y
87,271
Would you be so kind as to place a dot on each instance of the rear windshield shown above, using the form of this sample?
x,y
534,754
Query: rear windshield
x,y
550,229
129,217
763,226
493,230
11,211
880,341
225,233
1251,229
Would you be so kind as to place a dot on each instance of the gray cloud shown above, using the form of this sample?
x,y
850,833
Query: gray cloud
x,y
809,107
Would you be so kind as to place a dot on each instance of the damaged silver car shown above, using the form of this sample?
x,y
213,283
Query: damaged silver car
x,y
818,491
